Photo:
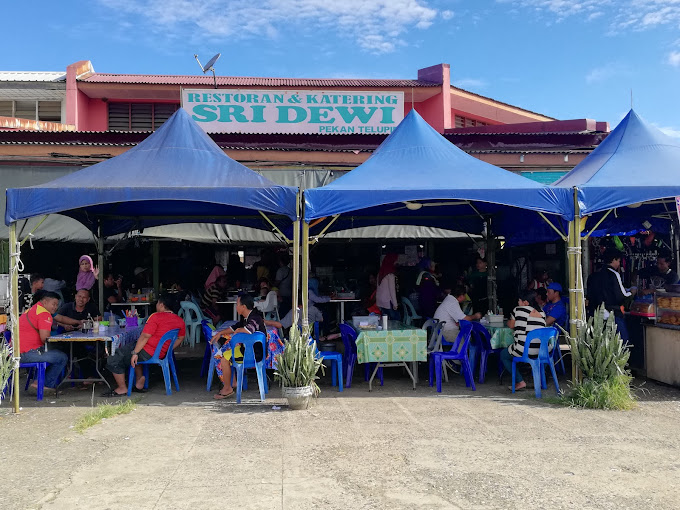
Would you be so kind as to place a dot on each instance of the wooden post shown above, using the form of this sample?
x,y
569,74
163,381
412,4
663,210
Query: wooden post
x,y
305,273
14,312
576,298
296,261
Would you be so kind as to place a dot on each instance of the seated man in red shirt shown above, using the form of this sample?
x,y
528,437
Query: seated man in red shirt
x,y
34,330
156,326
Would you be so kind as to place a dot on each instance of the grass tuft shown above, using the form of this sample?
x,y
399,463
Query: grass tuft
x,y
611,394
105,410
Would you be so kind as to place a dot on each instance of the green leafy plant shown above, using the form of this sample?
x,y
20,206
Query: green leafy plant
x,y
103,411
299,362
611,394
598,350
600,354
6,364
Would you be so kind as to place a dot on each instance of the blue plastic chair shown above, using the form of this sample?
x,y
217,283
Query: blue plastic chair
x,y
193,318
349,340
410,314
545,335
36,370
208,365
480,343
167,364
557,355
335,359
459,351
430,326
248,341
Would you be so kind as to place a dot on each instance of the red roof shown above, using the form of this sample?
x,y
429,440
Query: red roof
x,y
240,81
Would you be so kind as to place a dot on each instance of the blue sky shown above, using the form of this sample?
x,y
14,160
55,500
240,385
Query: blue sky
x,y
564,58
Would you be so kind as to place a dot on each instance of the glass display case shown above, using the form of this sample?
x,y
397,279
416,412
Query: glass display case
x,y
667,308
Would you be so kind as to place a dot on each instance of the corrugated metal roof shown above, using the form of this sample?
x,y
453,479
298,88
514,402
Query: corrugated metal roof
x,y
242,81
32,76
501,102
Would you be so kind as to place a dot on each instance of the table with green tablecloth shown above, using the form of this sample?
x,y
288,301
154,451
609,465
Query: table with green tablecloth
x,y
501,337
396,346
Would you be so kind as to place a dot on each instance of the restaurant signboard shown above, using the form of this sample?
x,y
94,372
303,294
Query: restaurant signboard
x,y
294,111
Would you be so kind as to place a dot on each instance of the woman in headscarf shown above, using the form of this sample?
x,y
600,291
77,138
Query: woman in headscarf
x,y
217,271
386,295
87,275
428,288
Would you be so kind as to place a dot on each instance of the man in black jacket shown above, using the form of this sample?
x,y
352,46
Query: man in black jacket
x,y
606,287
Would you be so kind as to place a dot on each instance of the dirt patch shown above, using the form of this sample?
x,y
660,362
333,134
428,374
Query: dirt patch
x,y
391,448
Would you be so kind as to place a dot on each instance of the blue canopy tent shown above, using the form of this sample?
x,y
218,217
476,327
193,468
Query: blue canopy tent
x,y
635,163
176,175
418,177
628,180
634,174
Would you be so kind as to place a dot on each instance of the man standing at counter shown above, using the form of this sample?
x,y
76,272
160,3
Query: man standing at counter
x,y
606,287
664,275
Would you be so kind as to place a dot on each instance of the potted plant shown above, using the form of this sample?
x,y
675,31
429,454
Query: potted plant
x,y
297,367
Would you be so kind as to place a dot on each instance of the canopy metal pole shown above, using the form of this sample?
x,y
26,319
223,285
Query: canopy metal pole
x,y
585,261
156,255
28,236
575,282
604,217
100,263
296,262
14,257
676,244
276,229
491,267
564,238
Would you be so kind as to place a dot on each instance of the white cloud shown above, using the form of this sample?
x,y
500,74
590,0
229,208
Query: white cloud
x,y
377,26
470,83
621,15
604,73
561,9
674,58
670,131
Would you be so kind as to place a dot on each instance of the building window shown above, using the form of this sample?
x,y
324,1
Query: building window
x,y
139,116
464,122
47,111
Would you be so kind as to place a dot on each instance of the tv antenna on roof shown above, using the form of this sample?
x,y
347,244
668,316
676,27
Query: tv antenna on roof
x,y
210,66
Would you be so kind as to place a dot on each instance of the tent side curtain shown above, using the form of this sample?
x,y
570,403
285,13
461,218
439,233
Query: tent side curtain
x,y
176,172
635,163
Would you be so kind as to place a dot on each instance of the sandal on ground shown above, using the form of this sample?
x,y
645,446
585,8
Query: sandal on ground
x,y
113,394
135,389
220,396
523,388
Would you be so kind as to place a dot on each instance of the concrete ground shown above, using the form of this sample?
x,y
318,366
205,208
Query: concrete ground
x,y
392,448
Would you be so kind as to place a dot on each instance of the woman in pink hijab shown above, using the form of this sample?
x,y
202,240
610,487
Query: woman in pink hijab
x,y
214,275
87,275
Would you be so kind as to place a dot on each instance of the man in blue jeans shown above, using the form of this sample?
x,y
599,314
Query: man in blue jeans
x,y
34,329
